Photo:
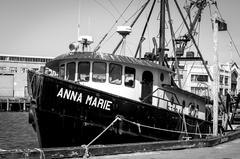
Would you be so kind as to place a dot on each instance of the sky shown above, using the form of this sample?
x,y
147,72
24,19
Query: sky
x,y
47,27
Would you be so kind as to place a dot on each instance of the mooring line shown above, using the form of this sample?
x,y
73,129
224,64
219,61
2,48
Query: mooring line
x,y
86,146
161,129
42,155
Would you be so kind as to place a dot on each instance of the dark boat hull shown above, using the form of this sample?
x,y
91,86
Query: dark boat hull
x,y
69,114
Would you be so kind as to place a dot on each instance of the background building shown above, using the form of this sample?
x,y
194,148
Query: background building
x,y
194,78
13,80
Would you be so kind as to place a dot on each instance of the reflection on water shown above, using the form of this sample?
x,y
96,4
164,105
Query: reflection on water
x,y
16,132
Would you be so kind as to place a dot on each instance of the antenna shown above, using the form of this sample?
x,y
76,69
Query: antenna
x,y
78,26
83,40
78,32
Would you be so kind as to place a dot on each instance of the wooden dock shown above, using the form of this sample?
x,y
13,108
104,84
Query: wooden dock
x,y
103,150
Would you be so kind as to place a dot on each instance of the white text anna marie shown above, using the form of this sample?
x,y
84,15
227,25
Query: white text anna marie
x,y
90,100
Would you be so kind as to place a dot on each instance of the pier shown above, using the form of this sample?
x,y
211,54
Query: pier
x,y
8,104
228,150
212,147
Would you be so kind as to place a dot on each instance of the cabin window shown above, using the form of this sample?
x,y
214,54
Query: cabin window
x,y
183,103
129,79
83,71
62,71
99,72
162,77
115,74
71,69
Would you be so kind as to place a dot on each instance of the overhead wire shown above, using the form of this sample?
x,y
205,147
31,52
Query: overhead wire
x,y
116,21
116,9
125,22
105,8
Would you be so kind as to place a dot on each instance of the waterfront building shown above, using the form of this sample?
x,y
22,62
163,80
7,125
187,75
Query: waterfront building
x,y
13,80
195,79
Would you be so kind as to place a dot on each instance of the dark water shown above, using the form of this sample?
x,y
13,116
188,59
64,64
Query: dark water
x,y
15,132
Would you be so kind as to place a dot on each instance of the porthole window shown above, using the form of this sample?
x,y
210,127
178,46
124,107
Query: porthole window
x,y
115,74
162,77
99,72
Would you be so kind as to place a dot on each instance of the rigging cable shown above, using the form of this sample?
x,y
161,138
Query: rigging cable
x,y
105,9
116,9
198,25
228,32
126,21
132,24
98,46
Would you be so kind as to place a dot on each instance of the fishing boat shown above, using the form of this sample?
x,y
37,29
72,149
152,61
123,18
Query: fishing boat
x,y
103,98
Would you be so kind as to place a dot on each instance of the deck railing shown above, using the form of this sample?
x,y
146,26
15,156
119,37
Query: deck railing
x,y
166,99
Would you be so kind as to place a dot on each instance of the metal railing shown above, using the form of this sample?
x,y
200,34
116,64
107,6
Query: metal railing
x,y
170,98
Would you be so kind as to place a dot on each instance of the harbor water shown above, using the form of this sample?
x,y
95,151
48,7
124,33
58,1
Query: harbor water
x,y
16,132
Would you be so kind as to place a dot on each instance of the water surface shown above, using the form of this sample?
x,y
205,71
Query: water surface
x,y
16,132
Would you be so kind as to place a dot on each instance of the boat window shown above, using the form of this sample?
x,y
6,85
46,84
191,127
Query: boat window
x,y
83,71
115,74
62,71
70,73
99,72
129,79
183,103
162,77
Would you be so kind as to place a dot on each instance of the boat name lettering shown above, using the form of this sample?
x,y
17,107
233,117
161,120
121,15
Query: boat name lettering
x,y
90,100
98,102
70,95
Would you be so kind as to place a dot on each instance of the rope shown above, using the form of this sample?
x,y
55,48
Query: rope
x,y
37,89
42,155
185,125
198,128
161,129
188,123
26,154
86,146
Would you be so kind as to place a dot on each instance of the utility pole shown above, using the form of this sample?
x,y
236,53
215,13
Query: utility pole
x,y
215,75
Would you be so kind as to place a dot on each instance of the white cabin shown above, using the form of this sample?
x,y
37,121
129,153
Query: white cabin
x,y
138,80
